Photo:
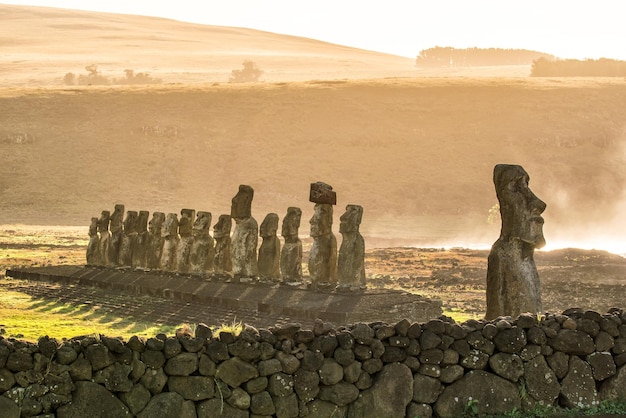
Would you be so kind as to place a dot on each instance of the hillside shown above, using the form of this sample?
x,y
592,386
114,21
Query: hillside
x,y
40,45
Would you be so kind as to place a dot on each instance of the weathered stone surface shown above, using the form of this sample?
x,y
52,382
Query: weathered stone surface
x,y
107,251
256,385
509,366
10,409
578,389
323,255
239,399
185,239
340,394
136,399
154,380
183,364
139,251
221,232
614,388
94,401
116,222
322,193
235,371
7,380
269,252
129,235
513,284
331,372
451,373
388,397
286,406
244,248
169,251
99,356
541,382
262,404
476,360
19,361
492,394
164,405
419,410
324,409
93,256
193,388
115,377
154,245
280,385
571,341
602,365
351,260
213,408
426,389
291,252
511,340
306,384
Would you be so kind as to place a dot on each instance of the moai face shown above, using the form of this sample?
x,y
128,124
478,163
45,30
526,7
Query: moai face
x,y
222,227
322,220
241,207
103,222
93,227
170,226
186,222
142,221
130,223
155,224
351,219
520,209
269,226
291,222
202,224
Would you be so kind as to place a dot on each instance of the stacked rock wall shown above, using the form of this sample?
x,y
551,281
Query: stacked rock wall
x,y
437,368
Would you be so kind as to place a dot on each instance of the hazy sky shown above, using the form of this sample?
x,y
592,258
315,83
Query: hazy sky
x,y
565,28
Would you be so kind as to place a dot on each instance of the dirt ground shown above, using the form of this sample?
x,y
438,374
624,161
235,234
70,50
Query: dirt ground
x,y
587,279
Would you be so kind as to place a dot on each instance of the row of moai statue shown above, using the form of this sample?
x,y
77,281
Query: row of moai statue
x,y
185,245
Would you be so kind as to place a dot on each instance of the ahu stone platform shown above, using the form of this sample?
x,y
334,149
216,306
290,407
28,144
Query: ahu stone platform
x,y
300,304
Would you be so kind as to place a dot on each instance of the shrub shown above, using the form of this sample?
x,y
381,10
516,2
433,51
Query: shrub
x,y
249,73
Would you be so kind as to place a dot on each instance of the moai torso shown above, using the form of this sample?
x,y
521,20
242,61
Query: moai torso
x,y
513,285
129,235
92,247
140,246
245,238
155,241
185,230
323,256
117,227
169,232
269,252
202,253
291,253
104,243
221,232
351,261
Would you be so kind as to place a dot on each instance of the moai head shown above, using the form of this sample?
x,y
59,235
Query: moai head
x,y
291,222
241,207
222,227
142,221
322,220
130,222
185,225
520,209
118,211
269,226
202,224
103,222
93,227
351,219
155,224
170,226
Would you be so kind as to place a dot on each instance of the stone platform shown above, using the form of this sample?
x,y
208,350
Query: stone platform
x,y
299,304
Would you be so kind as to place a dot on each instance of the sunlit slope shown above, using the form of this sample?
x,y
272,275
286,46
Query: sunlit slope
x,y
417,154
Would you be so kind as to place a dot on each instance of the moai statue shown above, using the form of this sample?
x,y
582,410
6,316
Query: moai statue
x,y
104,243
92,247
512,280
221,233
129,235
245,239
140,246
185,233
351,261
202,253
291,253
117,225
169,232
154,247
269,252
323,256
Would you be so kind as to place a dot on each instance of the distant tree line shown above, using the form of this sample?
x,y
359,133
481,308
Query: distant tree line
x,y
602,67
452,57
95,78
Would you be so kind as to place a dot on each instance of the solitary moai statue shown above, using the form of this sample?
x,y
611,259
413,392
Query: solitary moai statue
x,y
154,247
323,256
291,253
245,238
92,247
169,232
512,280
221,232
129,234
117,226
104,243
140,246
185,234
269,252
351,261
202,253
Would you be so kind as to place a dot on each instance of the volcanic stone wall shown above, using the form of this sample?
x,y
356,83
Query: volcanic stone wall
x,y
437,368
